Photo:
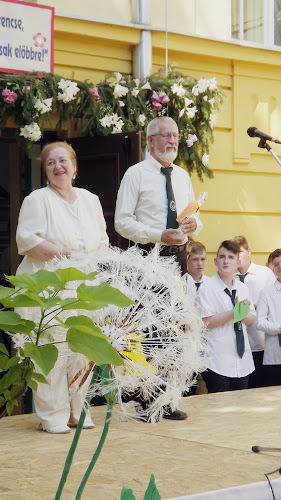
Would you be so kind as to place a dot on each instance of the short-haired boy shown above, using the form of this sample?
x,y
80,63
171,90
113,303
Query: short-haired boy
x,y
228,364
269,321
256,277
196,262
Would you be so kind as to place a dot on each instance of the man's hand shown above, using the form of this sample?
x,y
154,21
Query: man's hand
x,y
188,225
172,237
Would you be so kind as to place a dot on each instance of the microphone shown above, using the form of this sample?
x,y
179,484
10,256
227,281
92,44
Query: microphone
x,y
254,132
257,449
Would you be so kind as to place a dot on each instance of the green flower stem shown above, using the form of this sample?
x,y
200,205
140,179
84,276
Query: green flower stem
x,y
97,452
72,449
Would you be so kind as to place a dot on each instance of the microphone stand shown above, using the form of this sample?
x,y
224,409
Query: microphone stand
x,y
263,144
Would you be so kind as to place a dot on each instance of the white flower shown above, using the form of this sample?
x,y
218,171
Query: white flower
x,y
191,112
31,132
43,106
69,88
146,86
121,104
163,307
118,76
205,98
187,103
135,92
201,86
213,84
141,120
212,101
213,120
112,120
116,130
205,159
137,81
105,121
120,91
178,90
192,138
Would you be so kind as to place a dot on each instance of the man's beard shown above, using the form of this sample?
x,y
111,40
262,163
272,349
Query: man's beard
x,y
167,156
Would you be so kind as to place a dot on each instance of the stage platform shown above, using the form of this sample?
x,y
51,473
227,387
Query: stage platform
x,y
208,451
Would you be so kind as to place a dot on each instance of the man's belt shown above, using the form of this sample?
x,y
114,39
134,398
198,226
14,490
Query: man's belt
x,y
166,249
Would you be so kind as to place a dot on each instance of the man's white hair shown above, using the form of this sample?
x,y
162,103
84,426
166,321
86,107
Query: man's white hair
x,y
154,125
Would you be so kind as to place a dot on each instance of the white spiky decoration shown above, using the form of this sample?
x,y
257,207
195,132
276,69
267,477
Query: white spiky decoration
x,y
163,315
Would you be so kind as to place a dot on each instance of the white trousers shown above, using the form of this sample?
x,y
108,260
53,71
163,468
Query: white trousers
x,y
56,403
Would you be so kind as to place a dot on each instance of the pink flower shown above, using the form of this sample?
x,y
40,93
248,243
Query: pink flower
x,y
163,98
9,96
94,92
192,138
159,99
156,105
155,97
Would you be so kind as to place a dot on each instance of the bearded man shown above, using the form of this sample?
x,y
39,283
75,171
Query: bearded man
x,y
151,195
153,192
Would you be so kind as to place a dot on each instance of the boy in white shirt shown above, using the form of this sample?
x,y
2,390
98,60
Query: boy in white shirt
x,y
256,278
269,321
229,359
196,262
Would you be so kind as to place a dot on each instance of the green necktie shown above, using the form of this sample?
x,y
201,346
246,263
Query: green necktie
x,y
242,277
240,344
172,209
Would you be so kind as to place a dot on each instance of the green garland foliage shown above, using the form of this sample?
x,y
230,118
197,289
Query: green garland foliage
x,y
36,102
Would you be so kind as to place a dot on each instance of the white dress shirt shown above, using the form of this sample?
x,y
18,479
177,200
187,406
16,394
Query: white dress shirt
x,y
257,278
269,321
191,288
44,215
142,205
221,355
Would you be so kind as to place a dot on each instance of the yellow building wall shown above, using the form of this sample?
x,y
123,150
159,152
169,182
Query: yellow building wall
x,y
244,193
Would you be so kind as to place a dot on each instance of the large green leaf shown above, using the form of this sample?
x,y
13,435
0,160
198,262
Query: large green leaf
x,y
39,377
79,321
4,361
3,349
8,318
127,494
102,295
43,279
45,356
10,377
37,281
152,493
81,304
240,311
23,299
5,292
93,347
73,274
12,322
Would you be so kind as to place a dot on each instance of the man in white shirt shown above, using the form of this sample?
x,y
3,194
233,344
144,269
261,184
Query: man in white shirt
x,y
228,366
151,195
256,277
142,209
269,321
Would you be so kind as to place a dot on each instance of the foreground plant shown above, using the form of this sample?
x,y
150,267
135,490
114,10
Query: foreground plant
x,y
43,291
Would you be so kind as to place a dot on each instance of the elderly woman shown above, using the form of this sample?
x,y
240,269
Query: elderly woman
x,y
57,220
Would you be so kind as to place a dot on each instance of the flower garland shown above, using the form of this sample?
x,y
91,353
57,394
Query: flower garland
x,y
116,105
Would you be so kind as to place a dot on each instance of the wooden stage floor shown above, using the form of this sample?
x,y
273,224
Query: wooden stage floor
x,y
208,451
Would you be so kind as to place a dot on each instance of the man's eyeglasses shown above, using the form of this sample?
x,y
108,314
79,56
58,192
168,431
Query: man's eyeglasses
x,y
167,136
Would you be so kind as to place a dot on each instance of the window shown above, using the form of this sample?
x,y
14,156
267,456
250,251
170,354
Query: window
x,y
257,21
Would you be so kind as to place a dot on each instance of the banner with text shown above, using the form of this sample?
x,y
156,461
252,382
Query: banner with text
x,y
26,37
